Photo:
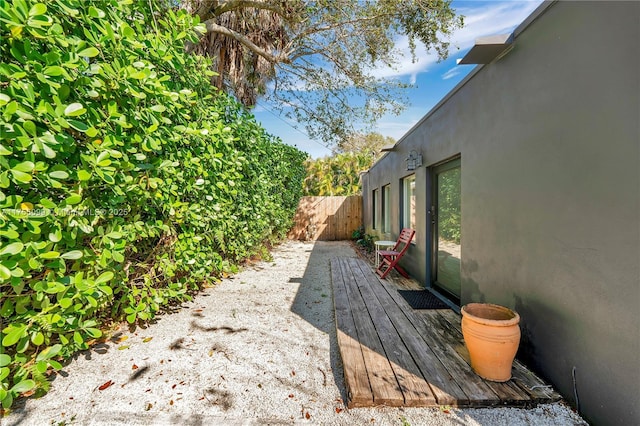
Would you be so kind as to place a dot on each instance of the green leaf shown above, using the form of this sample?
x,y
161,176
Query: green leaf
x,y
5,273
55,236
47,203
53,71
23,386
21,176
75,109
107,177
4,360
50,255
4,150
13,248
117,256
106,289
38,9
37,339
25,166
72,255
73,199
59,174
94,332
49,352
83,175
77,337
42,366
54,288
7,308
30,127
55,364
48,152
13,335
7,401
78,125
89,52
4,373
103,159
65,303
96,13
104,277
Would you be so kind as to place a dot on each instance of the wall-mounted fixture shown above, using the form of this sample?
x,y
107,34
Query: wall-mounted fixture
x,y
414,160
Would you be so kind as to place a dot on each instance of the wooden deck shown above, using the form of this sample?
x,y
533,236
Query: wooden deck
x,y
396,356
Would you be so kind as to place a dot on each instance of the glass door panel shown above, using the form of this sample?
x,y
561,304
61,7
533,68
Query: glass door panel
x,y
447,230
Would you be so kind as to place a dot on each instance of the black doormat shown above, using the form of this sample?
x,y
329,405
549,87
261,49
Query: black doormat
x,y
422,299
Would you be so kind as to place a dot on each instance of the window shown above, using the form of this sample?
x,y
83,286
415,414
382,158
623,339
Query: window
x,y
374,208
386,209
409,200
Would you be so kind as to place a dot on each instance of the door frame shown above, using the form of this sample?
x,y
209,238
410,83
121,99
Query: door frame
x,y
432,233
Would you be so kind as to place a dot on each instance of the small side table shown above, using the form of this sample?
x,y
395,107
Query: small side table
x,y
382,244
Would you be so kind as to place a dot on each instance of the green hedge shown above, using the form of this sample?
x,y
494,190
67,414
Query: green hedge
x,y
126,182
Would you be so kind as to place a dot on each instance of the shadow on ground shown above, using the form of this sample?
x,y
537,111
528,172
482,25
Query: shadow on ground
x,y
314,299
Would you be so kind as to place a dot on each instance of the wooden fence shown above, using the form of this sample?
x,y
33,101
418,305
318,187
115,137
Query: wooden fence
x,y
327,218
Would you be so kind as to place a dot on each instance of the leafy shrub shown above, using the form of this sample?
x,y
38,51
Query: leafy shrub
x,y
363,239
125,181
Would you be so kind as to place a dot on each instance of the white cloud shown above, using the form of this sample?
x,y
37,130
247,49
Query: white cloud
x,y
451,73
497,18
480,20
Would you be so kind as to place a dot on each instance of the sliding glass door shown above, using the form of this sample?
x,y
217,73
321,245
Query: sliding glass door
x,y
446,231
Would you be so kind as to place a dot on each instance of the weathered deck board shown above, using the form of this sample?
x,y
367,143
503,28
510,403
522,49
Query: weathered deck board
x,y
396,356
415,389
384,384
477,391
445,389
535,388
508,393
355,372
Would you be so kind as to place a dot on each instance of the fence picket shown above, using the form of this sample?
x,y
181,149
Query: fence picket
x,y
327,218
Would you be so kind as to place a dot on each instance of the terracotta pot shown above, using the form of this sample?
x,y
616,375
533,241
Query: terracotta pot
x,y
492,336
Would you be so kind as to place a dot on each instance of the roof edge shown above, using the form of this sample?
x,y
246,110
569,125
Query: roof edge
x,y
539,11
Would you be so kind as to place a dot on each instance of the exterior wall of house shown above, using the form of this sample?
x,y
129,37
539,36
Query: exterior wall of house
x,y
549,139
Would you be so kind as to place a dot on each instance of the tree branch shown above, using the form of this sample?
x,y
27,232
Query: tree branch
x,y
365,19
219,29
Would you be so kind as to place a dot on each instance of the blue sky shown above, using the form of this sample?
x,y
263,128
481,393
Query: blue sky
x,y
432,80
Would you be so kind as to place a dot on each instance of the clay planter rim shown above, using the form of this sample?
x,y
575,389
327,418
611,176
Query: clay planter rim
x,y
498,316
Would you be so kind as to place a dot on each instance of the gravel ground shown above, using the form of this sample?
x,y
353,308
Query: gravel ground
x,y
259,348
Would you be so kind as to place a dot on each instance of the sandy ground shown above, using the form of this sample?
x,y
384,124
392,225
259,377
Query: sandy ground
x,y
259,348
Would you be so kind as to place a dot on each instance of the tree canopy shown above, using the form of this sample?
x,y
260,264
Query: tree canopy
x,y
315,60
339,174
369,143
336,175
